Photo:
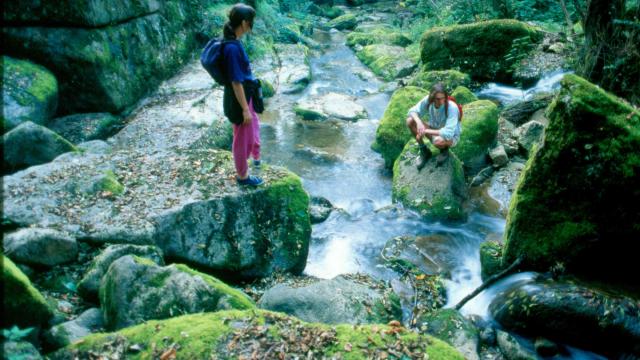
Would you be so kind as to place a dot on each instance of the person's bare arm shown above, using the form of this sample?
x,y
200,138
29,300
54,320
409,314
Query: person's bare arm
x,y
238,90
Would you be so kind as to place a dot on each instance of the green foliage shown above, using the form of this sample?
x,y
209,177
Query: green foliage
x,y
15,333
520,48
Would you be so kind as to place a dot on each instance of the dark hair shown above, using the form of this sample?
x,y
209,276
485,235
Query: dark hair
x,y
237,14
440,88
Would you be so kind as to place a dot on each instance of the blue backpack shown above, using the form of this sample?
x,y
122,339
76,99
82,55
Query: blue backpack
x,y
212,59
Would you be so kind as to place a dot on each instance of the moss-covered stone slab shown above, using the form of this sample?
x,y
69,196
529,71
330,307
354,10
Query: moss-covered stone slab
x,y
577,199
478,49
187,202
436,192
451,79
387,61
29,93
378,35
392,133
572,314
344,22
350,300
85,127
479,130
463,95
232,334
449,325
31,144
136,289
23,305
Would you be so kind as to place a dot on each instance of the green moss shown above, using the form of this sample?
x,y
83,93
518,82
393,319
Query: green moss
x,y
490,258
309,114
450,78
344,22
381,35
463,96
109,183
444,323
35,82
479,130
478,49
392,133
267,89
382,60
21,296
235,298
590,147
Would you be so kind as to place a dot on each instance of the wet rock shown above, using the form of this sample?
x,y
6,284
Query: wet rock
x,y
319,209
512,349
553,204
436,192
529,135
29,93
545,347
295,72
66,333
521,112
331,105
135,289
482,176
478,49
84,127
262,333
388,61
30,144
23,297
95,147
189,194
90,283
335,301
449,325
431,254
463,96
22,350
571,314
479,129
499,156
392,133
40,247
503,184
490,258
317,156
451,79
344,22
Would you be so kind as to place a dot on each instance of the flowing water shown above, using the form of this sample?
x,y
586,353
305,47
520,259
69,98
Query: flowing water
x,y
508,94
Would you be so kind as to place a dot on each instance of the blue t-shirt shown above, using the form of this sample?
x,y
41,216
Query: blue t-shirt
x,y
236,62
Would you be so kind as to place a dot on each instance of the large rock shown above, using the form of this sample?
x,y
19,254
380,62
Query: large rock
x,y
388,61
490,258
479,129
110,68
29,93
529,135
431,254
344,22
479,49
89,286
31,144
331,105
463,95
236,334
80,128
451,79
436,192
392,133
336,301
295,74
25,306
40,247
88,322
520,112
135,289
511,348
77,13
22,350
449,325
572,314
587,166
187,202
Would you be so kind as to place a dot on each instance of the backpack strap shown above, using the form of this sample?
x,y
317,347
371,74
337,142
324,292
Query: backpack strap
x,y
451,98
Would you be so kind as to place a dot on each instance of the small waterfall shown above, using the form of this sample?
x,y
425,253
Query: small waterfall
x,y
508,94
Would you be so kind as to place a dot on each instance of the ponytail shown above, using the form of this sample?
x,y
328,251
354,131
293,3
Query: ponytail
x,y
237,14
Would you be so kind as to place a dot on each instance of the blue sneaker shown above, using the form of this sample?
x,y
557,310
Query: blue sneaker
x,y
250,181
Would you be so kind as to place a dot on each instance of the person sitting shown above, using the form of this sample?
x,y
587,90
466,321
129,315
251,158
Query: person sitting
x,y
443,128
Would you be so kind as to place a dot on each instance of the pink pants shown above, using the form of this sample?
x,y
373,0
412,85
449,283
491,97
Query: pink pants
x,y
246,142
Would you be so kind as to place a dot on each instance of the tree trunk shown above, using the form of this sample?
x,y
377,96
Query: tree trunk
x,y
566,17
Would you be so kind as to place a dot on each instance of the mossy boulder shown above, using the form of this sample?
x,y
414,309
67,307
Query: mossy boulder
x,y
378,35
23,305
60,335
463,95
344,22
392,133
232,334
267,89
29,93
79,128
588,164
40,247
89,286
490,258
31,144
22,350
451,79
136,289
325,10
449,325
479,130
571,314
388,61
436,192
350,300
479,49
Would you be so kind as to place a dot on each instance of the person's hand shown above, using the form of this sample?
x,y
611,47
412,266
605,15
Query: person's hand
x,y
246,115
420,132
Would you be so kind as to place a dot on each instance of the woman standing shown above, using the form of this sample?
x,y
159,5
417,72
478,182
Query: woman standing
x,y
246,127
